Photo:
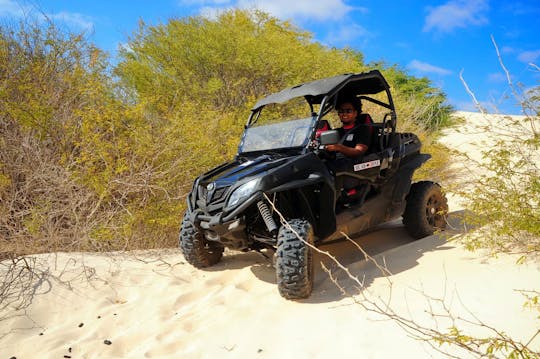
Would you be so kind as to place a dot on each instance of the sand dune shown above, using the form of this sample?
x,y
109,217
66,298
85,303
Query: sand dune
x,y
155,305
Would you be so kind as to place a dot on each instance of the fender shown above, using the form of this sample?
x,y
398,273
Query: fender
x,y
312,179
404,181
321,212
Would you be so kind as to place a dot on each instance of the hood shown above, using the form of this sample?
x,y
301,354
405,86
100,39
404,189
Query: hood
x,y
232,172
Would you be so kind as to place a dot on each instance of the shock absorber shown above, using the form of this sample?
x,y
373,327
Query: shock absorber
x,y
267,216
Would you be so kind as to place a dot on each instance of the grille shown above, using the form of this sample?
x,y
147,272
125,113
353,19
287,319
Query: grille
x,y
211,196
219,193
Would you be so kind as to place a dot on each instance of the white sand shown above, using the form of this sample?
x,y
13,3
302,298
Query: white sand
x,y
155,305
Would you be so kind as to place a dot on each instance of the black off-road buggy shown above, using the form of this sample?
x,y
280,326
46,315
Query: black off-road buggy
x,y
279,193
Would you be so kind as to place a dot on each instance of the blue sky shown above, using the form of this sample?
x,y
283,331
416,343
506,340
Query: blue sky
x,y
436,39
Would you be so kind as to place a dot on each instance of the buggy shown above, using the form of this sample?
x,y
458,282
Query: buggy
x,y
279,192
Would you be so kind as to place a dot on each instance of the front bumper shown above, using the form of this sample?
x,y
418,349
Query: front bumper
x,y
227,227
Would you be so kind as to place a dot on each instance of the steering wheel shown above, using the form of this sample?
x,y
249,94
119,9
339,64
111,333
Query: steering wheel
x,y
386,130
325,155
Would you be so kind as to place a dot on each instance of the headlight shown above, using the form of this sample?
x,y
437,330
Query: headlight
x,y
242,192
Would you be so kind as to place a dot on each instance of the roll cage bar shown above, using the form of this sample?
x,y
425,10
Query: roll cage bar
x,y
324,92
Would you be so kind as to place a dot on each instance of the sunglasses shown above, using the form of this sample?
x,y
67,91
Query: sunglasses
x,y
345,110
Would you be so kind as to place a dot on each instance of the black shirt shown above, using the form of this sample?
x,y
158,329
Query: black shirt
x,y
358,134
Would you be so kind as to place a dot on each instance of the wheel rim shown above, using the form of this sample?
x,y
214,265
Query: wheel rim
x,y
436,211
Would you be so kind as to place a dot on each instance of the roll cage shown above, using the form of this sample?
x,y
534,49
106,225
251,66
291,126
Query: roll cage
x,y
325,93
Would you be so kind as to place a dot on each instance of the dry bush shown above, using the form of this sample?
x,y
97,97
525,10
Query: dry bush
x,y
504,196
19,281
44,208
79,168
44,76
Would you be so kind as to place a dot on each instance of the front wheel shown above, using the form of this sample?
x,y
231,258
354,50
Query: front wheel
x,y
294,262
198,251
426,210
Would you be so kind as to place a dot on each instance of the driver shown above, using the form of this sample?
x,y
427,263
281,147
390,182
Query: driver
x,y
355,139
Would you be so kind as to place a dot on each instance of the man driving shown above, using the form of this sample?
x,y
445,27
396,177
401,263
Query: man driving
x,y
355,138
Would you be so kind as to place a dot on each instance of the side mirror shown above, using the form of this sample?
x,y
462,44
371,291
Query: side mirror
x,y
329,137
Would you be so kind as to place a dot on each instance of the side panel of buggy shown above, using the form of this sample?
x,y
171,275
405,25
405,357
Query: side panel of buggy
x,y
385,174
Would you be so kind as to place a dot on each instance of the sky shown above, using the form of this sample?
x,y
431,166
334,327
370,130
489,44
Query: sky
x,y
455,43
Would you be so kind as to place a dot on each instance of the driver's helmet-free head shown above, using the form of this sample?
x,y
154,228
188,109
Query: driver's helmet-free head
x,y
353,100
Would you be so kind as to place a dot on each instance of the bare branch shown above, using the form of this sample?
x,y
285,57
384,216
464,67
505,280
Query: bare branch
x,y
469,91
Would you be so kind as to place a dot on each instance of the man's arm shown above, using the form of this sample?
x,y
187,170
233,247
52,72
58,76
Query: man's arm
x,y
351,152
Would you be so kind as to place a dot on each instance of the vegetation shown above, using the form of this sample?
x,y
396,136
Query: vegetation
x,y
503,202
507,194
506,189
47,85
418,101
101,157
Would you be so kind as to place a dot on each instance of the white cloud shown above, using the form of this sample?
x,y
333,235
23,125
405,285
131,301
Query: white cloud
x,y
299,9
73,19
529,56
424,67
320,10
211,12
456,14
14,9
345,35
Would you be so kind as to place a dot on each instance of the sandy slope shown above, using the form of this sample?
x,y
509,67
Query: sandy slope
x,y
154,305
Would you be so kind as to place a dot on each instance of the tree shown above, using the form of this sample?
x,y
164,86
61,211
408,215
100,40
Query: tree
x,y
224,63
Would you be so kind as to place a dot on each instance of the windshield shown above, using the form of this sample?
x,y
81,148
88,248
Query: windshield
x,y
287,134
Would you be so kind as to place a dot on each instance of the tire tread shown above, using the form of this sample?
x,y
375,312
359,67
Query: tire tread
x,y
196,249
294,267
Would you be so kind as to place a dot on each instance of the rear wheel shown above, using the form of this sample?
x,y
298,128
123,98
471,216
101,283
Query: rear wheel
x,y
426,210
294,262
198,251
